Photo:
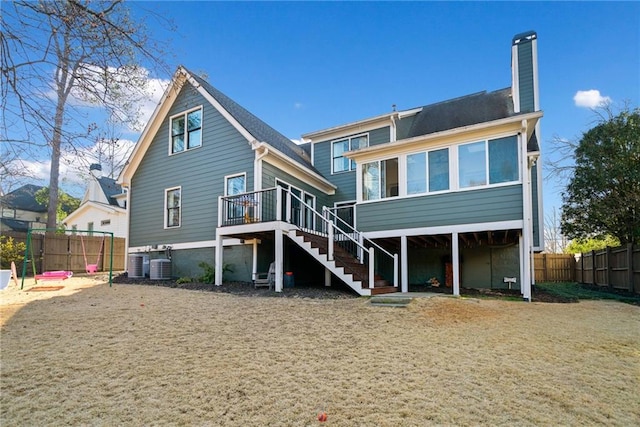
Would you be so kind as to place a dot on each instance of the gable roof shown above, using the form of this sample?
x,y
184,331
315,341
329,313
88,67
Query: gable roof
x,y
256,127
467,110
110,189
24,199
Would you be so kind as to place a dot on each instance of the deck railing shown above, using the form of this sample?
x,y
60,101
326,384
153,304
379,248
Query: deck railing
x,y
248,208
279,204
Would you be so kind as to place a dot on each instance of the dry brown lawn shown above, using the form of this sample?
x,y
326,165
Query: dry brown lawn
x,y
140,355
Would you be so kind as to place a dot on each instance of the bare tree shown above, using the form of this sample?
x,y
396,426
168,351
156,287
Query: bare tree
x,y
59,57
554,241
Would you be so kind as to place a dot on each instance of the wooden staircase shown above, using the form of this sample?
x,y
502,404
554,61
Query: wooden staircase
x,y
344,265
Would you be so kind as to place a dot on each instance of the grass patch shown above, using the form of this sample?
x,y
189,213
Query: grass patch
x,y
577,291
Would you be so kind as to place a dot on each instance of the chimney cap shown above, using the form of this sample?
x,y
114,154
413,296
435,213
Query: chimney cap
x,y
526,36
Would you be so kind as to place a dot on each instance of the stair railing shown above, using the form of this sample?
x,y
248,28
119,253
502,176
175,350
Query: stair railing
x,y
311,221
362,239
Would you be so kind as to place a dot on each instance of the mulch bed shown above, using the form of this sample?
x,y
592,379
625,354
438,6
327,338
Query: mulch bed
x,y
333,292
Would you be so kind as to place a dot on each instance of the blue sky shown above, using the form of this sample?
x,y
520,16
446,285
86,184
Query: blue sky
x,y
304,66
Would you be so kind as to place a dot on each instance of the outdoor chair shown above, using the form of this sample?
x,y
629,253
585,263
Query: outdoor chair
x,y
266,279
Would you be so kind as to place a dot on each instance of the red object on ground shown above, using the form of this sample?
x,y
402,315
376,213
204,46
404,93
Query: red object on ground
x,y
57,275
322,417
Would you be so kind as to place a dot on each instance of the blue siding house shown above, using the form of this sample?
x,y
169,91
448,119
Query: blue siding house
x,y
448,192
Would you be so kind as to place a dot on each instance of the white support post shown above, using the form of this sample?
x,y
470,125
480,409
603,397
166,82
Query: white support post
x,y
330,242
288,213
372,271
395,270
360,250
455,258
278,203
219,260
404,262
327,277
279,259
254,264
220,211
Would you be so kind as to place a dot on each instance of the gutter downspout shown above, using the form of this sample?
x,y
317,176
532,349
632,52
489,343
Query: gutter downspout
x,y
257,164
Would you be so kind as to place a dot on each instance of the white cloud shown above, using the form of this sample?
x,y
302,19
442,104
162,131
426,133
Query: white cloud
x,y
298,105
142,99
590,99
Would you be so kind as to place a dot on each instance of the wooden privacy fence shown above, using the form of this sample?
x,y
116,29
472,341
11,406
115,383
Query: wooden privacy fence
x,y
614,268
554,267
53,252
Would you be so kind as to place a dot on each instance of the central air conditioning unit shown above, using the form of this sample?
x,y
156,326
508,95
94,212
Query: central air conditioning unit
x,y
138,266
160,269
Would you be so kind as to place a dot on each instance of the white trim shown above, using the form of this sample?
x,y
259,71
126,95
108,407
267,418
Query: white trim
x,y
534,57
152,127
285,164
515,224
540,246
235,175
189,245
515,79
218,106
166,219
486,130
351,162
185,113
404,264
358,126
337,132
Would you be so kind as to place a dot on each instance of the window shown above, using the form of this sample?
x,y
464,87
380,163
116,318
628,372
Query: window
x,y
237,185
90,228
173,202
488,162
503,160
472,167
439,170
105,222
189,136
8,213
380,179
338,148
429,170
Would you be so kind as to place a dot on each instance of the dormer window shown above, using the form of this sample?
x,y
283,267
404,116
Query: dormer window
x,y
186,131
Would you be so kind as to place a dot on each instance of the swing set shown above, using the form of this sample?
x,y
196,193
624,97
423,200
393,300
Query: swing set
x,y
64,274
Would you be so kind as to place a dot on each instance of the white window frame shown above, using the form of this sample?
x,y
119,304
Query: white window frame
x,y
487,171
186,130
236,175
352,163
399,177
166,209
454,169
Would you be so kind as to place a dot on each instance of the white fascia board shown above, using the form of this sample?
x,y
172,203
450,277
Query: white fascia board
x,y
485,129
150,130
244,132
358,126
189,245
349,128
93,205
294,168
516,224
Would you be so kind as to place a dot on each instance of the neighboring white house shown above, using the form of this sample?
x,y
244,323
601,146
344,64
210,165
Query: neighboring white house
x,y
103,206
